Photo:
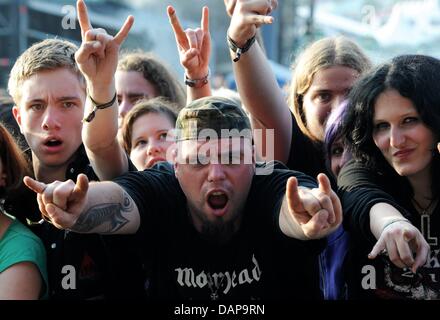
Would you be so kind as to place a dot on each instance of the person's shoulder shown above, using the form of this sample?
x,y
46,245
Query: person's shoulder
x,y
20,235
163,167
19,244
274,169
161,174
356,173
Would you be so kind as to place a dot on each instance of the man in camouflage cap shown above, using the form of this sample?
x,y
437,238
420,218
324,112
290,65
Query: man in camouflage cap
x,y
214,118
218,230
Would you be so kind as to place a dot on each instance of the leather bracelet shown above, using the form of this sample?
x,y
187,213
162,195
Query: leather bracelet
x,y
239,51
197,83
97,107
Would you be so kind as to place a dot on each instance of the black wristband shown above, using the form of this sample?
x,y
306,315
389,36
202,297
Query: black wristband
x,y
239,51
96,107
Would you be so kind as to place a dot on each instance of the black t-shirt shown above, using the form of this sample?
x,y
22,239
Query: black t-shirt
x,y
309,157
259,262
360,189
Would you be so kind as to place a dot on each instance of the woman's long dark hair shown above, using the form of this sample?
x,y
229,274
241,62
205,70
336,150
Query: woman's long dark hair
x,y
415,77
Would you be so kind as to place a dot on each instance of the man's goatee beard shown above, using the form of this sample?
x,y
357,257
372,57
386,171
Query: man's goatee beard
x,y
218,232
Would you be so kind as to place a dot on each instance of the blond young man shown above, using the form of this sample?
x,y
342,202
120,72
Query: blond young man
x,y
52,92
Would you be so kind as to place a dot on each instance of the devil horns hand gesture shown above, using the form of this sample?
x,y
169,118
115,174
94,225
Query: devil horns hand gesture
x,y
97,57
194,45
317,211
60,202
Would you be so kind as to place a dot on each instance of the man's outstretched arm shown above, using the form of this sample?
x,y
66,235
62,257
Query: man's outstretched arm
x,y
97,207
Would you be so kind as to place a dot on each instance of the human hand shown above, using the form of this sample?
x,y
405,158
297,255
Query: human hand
x,y
61,202
400,239
97,57
230,6
194,45
318,211
247,17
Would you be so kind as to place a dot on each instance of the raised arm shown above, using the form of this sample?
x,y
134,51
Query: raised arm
x,y
194,46
98,207
310,213
97,59
256,83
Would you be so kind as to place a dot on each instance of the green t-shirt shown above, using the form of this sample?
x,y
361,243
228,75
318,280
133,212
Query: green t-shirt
x,y
19,244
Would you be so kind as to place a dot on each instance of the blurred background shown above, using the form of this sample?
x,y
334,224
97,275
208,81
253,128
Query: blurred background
x,y
384,28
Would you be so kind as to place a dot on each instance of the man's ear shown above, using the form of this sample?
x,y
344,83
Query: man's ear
x,y
17,116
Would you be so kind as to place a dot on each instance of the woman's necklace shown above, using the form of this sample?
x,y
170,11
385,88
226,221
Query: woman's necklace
x,y
425,210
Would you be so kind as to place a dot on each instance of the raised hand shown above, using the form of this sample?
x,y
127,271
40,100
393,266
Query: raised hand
x,y
247,17
194,45
230,6
60,202
400,239
97,57
318,211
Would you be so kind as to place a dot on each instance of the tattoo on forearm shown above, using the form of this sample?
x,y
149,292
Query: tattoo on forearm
x,y
108,216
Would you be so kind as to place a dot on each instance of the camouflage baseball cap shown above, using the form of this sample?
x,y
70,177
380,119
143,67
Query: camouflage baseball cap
x,y
212,116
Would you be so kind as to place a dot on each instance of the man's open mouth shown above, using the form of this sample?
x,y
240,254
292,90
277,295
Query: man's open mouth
x,y
217,200
53,143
